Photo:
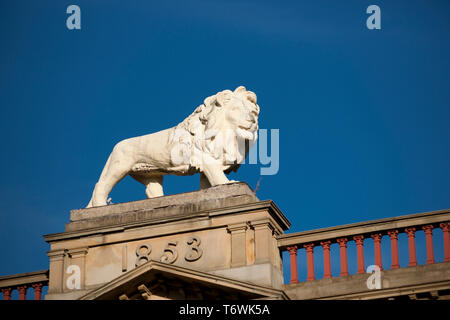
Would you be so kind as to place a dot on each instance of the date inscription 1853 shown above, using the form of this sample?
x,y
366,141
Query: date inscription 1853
x,y
170,252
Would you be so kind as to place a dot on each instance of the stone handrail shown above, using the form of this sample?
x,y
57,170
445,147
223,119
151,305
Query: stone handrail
x,y
21,282
357,232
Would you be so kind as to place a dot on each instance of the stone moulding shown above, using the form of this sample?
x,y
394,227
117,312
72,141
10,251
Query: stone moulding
x,y
269,205
201,205
225,231
213,193
120,284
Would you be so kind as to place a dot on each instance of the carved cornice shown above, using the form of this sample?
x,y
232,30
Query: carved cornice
x,y
275,213
140,274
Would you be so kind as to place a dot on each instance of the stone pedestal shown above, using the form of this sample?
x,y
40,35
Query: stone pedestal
x,y
223,230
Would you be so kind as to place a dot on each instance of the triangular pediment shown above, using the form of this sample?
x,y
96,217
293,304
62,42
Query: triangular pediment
x,y
156,280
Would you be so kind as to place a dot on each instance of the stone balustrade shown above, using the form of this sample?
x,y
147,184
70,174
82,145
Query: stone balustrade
x,y
36,280
358,232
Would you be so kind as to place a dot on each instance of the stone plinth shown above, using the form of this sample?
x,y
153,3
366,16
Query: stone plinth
x,y
161,209
224,230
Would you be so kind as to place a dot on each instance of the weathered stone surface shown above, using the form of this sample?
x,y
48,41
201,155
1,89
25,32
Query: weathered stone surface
x,y
166,281
264,274
223,228
212,193
162,208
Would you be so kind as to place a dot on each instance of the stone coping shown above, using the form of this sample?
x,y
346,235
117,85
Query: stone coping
x,y
213,193
161,214
24,278
153,218
364,228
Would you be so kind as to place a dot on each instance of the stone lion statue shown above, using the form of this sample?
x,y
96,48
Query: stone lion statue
x,y
213,140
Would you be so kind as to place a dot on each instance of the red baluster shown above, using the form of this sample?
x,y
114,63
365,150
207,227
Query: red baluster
x,y
310,258
6,293
445,230
37,290
359,239
393,234
412,246
429,235
326,259
344,266
294,271
377,244
22,292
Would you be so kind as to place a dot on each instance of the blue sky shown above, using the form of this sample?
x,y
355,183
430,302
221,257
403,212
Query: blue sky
x,y
363,114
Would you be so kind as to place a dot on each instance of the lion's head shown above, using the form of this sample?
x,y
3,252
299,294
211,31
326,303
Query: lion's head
x,y
219,128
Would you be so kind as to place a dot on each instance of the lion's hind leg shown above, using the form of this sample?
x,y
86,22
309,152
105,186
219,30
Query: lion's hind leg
x,y
153,184
102,176
154,187
116,168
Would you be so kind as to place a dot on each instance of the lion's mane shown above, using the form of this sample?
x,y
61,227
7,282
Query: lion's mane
x,y
199,132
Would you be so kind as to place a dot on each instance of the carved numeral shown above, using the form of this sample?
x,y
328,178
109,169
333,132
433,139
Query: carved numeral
x,y
196,252
143,254
170,258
